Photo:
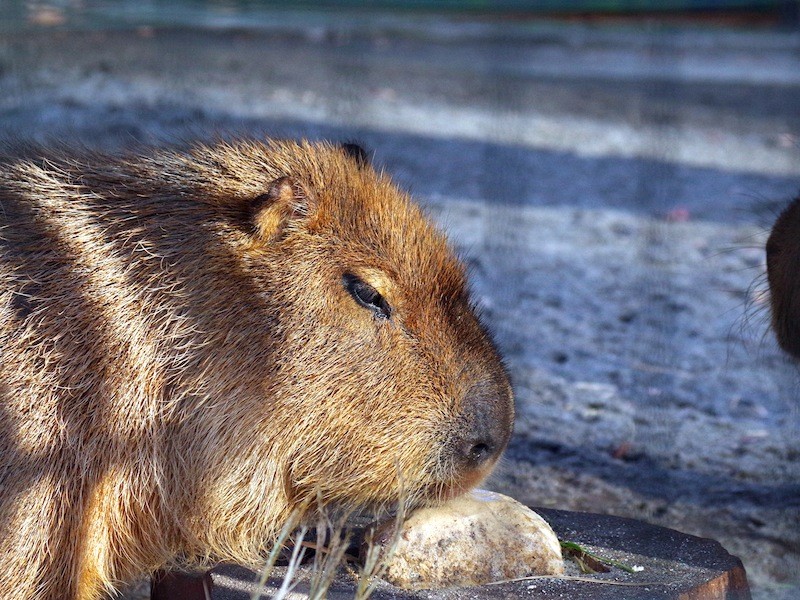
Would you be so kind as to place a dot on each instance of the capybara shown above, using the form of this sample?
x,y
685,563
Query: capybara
x,y
783,274
197,342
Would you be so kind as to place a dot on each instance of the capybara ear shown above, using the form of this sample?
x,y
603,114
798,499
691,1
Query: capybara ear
x,y
285,205
356,152
783,273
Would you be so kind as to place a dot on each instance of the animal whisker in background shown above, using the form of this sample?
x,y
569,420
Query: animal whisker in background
x,y
754,326
783,274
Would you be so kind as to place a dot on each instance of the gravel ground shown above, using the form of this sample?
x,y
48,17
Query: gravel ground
x,y
610,188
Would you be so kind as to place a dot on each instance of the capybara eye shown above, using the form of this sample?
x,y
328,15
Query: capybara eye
x,y
367,296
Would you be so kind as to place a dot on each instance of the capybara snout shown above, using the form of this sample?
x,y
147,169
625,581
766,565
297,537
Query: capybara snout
x,y
783,273
485,422
197,343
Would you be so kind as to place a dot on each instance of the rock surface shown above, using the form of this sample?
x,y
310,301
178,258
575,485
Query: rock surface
x,y
666,565
478,538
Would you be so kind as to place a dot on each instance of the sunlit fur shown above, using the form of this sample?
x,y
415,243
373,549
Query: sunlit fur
x,y
181,366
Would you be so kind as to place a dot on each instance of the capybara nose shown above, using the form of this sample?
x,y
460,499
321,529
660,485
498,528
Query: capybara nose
x,y
478,451
487,418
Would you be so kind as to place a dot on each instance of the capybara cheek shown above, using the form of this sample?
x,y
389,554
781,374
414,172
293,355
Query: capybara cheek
x,y
375,475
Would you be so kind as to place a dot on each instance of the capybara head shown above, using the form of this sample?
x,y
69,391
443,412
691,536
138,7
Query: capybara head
x,y
197,343
783,273
397,382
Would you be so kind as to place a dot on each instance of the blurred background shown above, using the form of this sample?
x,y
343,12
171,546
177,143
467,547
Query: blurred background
x,y
608,170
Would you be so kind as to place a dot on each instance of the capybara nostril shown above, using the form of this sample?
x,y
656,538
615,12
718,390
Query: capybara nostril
x,y
479,453
481,446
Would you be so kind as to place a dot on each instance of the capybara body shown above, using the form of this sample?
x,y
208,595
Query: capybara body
x,y
193,344
783,274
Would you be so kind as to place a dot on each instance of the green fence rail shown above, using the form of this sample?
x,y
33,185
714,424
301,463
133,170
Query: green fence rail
x,y
558,6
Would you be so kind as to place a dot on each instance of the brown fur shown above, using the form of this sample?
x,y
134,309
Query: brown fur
x,y
181,365
783,273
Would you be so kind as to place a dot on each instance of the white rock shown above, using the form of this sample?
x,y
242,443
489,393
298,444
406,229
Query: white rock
x,y
475,539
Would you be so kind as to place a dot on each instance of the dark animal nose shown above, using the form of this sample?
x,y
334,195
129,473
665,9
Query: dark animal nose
x,y
478,451
487,419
